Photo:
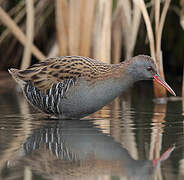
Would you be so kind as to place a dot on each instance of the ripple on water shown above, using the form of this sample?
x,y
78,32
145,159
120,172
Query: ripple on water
x,y
139,128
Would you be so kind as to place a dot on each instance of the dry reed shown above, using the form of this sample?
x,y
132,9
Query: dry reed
x,y
86,26
155,41
126,21
102,31
130,25
74,25
19,12
9,23
29,33
116,36
62,26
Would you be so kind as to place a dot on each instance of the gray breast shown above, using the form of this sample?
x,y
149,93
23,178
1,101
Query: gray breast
x,y
85,98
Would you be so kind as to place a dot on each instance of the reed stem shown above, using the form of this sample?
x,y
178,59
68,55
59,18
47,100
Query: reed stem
x,y
29,33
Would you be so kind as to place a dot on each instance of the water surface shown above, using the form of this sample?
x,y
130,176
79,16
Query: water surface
x,y
122,141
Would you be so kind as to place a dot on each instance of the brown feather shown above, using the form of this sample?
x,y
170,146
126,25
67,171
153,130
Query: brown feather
x,y
53,70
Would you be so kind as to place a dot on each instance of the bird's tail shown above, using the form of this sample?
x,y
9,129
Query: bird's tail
x,y
14,73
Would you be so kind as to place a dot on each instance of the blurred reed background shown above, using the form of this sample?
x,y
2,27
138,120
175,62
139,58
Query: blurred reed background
x,y
108,30
113,30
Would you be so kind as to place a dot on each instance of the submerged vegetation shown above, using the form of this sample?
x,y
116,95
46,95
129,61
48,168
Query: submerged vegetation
x,y
106,30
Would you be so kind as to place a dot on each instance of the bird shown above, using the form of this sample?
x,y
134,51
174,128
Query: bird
x,y
76,86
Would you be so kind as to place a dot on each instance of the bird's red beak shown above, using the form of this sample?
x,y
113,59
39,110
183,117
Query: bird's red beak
x,y
158,79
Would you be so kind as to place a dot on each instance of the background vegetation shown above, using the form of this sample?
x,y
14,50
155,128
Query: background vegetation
x,y
31,30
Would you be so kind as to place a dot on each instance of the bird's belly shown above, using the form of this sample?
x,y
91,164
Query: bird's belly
x,y
81,104
78,101
86,99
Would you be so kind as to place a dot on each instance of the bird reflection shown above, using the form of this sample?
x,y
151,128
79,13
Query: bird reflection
x,y
79,150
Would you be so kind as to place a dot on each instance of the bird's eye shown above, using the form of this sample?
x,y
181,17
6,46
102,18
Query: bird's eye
x,y
149,68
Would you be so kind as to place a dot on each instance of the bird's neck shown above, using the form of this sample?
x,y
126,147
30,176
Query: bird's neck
x,y
112,87
127,71
122,79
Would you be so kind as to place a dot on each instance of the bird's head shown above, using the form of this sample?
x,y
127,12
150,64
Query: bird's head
x,y
143,67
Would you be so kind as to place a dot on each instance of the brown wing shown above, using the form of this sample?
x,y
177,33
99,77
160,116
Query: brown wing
x,y
53,70
43,75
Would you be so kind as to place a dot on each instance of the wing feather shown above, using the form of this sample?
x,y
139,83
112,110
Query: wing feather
x,y
45,74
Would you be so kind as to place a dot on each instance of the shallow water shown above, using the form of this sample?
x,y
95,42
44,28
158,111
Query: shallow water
x,y
122,141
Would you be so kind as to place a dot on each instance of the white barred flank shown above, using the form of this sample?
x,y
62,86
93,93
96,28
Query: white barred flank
x,y
49,102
